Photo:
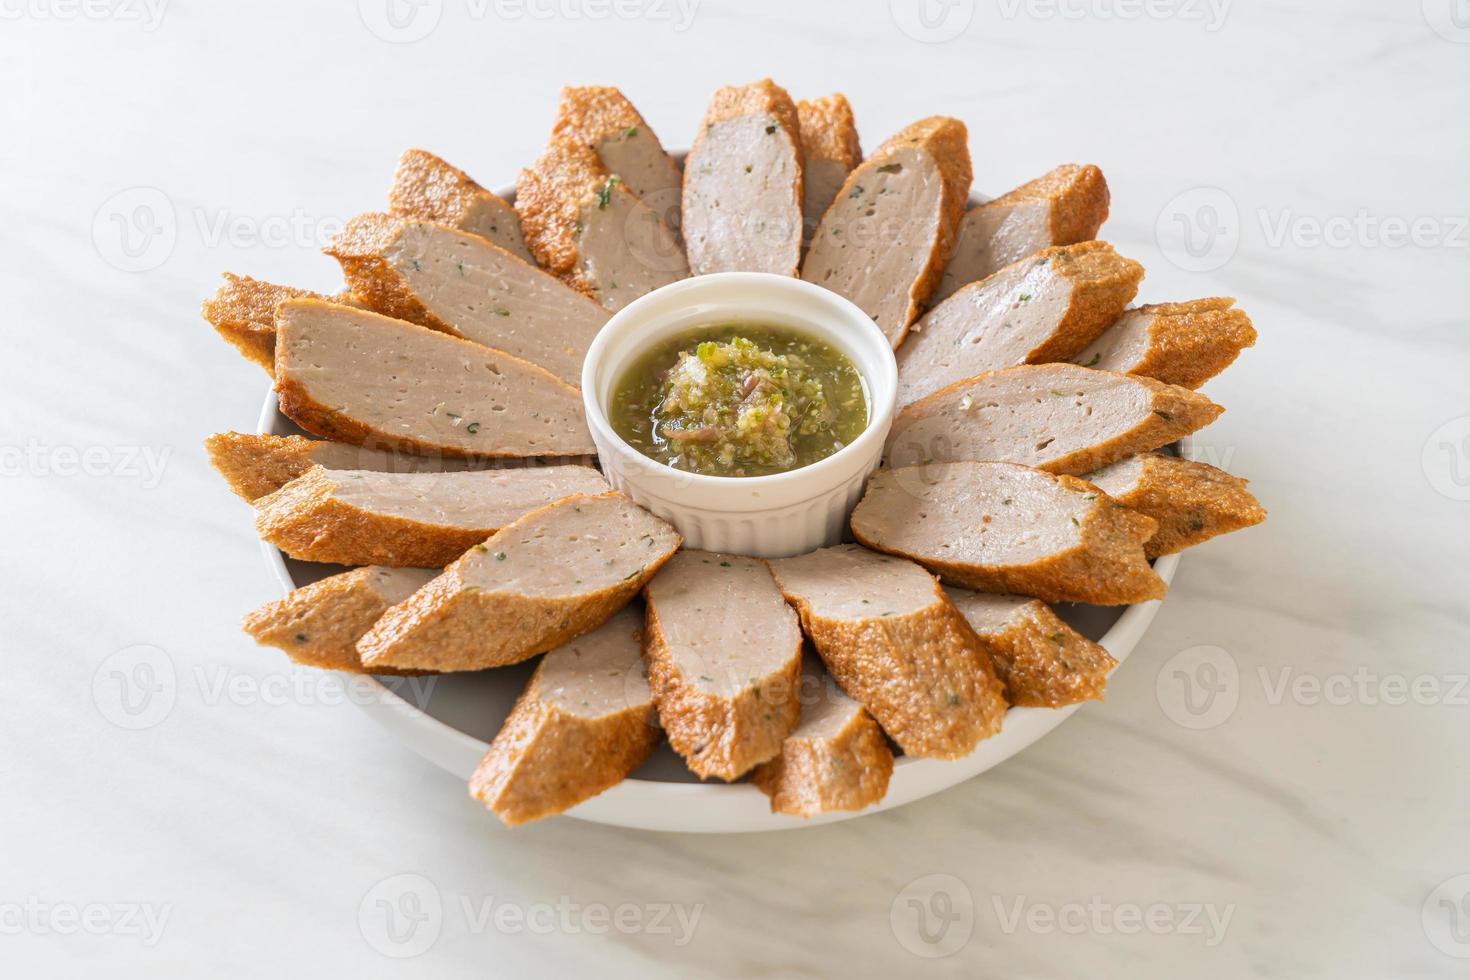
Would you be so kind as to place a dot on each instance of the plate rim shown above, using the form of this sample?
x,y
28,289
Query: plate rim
x,y
716,807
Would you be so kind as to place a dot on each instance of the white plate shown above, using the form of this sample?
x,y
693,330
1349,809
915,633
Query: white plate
x,y
450,719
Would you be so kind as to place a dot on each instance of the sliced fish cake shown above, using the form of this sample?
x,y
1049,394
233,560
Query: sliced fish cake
x,y
318,625
602,119
893,641
835,759
243,311
255,465
743,183
1182,344
886,238
1044,308
359,377
1062,207
1000,527
724,661
425,188
584,225
360,517
459,284
1192,502
554,574
830,150
1055,417
583,723
1043,662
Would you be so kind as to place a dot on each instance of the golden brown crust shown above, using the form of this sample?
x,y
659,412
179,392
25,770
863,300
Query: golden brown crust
x,y
1044,663
1192,502
426,188
828,131
307,522
1082,202
761,97
589,114
719,736
361,249
550,197
1106,567
923,675
946,141
1189,343
1072,200
1103,282
1079,197
845,771
546,760
449,625
319,624
1175,412
443,627
257,465
297,404
430,189
242,311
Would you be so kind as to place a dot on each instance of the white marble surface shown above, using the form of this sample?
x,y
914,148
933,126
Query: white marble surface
x,y
253,822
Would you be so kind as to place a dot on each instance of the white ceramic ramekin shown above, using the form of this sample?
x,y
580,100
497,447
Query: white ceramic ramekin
x,y
765,516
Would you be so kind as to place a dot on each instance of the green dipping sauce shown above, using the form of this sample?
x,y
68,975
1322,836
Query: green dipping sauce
x,y
740,399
